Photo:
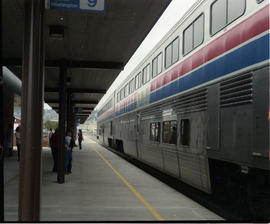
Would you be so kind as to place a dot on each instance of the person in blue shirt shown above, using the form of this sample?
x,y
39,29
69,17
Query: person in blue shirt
x,y
68,151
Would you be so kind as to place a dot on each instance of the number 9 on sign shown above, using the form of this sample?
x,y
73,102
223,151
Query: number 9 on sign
x,y
92,3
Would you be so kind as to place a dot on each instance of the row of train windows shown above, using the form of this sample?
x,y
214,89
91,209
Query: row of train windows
x,y
223,12
107,106
169,132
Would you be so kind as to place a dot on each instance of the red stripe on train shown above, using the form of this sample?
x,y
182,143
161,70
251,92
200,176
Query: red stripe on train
x,y
249,28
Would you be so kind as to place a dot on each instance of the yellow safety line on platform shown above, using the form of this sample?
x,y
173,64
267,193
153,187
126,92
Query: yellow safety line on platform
x,y
138,195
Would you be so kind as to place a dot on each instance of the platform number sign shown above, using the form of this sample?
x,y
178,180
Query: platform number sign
x,y
77,5
91,3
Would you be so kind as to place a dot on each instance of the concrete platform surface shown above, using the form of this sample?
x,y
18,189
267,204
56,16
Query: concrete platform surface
x,y
102,187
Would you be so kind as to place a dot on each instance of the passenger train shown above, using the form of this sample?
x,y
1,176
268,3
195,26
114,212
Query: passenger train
x,y
197,107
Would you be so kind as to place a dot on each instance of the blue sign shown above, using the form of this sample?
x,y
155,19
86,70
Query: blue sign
x,y
77,109
78,5
78,121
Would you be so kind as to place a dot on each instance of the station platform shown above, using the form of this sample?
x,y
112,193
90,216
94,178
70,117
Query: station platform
x,y
102,187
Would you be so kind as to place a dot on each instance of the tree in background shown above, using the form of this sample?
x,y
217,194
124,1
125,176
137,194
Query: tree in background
x,y
50,124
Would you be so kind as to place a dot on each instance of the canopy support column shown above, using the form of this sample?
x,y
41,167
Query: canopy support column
x,y
62,122
32,112
1,128
69,110
8,104
71,117
73,125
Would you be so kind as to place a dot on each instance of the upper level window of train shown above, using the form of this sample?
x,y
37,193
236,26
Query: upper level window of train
x,y
146,74
193,35
118,97
122,93
172,53
131,86
126,90
157,65
138,80
224,12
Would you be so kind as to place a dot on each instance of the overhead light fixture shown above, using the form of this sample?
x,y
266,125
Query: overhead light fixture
x,y
57,32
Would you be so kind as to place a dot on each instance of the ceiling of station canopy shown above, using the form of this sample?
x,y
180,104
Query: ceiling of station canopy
x,y
96,46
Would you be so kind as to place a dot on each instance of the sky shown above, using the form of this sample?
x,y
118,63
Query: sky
x,y
169,18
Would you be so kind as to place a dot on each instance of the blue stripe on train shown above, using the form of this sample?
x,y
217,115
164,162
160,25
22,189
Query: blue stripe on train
x,y
252,53
121,111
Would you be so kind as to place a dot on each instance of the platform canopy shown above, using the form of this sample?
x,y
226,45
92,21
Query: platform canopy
x,y
95,46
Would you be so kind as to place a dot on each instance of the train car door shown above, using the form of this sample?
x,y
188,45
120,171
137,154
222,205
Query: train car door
x,y
138,117
111,128
103,138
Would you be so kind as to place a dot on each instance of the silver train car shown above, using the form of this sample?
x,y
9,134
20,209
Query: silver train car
x,y
197,107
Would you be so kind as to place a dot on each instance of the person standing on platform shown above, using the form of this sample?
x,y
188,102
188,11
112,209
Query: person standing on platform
x,y
80,138
68,152
18,140
54,147
9,134
50,137
71,145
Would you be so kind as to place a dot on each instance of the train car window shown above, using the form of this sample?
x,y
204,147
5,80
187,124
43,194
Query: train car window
x,y
198,28
118,97
175,52
122,93
188,40
218,16
172,53
166,132
146,74
169,134
224,12
155,131
157,65
154,67
131,86
193,35
236,8
126,90
173,132
185,132
168,56
138,81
